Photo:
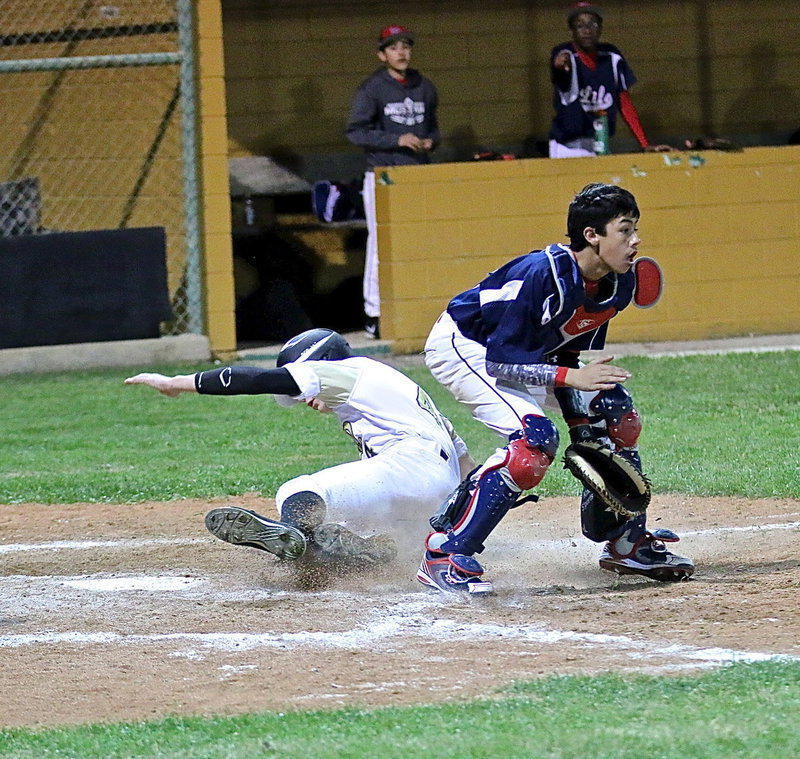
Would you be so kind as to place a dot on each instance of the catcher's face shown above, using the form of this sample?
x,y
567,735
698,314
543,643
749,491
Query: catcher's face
x,y
619,246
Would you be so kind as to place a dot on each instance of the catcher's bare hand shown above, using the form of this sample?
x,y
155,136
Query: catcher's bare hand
x,y
599,374
165,385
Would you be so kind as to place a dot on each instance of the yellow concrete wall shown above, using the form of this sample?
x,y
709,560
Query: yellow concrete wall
x,y
215,231
725,228
703,65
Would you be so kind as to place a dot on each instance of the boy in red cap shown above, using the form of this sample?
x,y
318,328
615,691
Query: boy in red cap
x,y
393,118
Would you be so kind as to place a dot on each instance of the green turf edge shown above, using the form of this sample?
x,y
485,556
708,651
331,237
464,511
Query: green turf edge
x,y
730,712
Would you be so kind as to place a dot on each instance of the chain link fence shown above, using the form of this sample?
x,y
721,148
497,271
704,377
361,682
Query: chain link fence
x,y
97,106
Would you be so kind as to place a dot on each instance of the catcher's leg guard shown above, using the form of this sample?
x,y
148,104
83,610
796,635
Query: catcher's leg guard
x,y
539,435
598,522
617,418
492,497
622,421
455,505
510,470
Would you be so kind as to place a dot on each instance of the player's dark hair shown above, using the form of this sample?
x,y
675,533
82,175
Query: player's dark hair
x,y
594,206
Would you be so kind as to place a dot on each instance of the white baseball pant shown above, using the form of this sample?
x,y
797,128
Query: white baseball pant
x,y
396,490
372,294
580,148
460,365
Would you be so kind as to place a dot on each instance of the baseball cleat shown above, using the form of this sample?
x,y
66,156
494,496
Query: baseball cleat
x,y
452,573
649,557
243,527
337,543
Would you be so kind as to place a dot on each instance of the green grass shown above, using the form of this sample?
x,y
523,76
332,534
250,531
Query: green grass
x,y
714,425
721,425
743,710
87,437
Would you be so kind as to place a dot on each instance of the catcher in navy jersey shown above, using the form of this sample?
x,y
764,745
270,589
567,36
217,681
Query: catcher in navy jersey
x,y
508,348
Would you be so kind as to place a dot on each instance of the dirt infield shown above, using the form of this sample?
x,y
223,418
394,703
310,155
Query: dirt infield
x,y
132,612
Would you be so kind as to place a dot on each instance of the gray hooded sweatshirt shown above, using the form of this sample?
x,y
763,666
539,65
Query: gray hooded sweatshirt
x,y
384,108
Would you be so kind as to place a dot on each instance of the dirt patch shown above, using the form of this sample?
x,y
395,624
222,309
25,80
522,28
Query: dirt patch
x,y
120,612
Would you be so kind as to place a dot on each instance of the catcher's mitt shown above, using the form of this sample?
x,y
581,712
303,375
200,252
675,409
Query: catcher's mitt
x,y
613,479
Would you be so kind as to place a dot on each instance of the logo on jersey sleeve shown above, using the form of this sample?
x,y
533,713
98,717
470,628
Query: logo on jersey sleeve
x,y
408,112
585,321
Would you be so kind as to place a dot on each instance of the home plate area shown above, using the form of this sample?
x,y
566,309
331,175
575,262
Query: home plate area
x,y
133,611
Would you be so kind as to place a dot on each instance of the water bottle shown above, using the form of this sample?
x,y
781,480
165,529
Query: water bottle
x,y
249,212
600,123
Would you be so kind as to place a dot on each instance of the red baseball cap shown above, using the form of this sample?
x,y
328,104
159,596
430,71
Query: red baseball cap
x,y
584,7
393,33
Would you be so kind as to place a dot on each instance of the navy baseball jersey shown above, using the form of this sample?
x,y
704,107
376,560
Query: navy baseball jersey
x,y
537,304
583,90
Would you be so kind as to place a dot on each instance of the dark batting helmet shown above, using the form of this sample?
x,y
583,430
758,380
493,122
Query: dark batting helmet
x,y
314,345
